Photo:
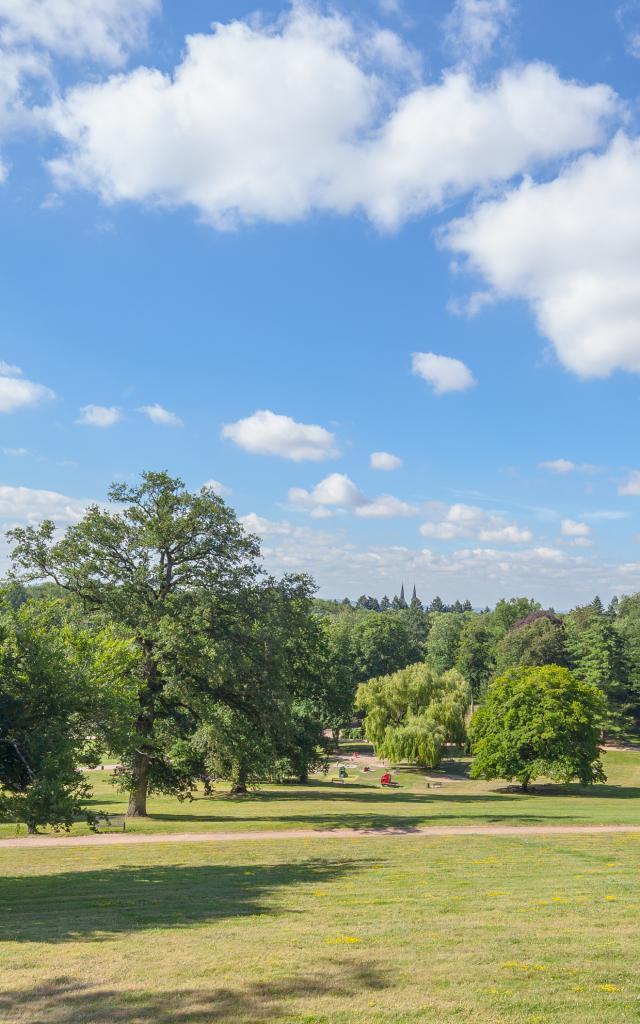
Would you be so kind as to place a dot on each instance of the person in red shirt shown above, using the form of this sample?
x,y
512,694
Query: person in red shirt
x,y
386,779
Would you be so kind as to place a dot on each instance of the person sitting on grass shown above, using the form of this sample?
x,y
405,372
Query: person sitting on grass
x,y
386,779
342,773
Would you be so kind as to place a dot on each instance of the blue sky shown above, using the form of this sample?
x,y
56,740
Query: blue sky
x,y
259,251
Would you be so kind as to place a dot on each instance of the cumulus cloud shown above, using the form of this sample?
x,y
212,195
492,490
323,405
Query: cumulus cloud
x,y
99,415
631,486
220,489
484,573
459,521
563,466
338,491
16,392
384,460
267,433
569,247
158,414
571,528
442,372
26,504
386,506
274,121
102,30
473,27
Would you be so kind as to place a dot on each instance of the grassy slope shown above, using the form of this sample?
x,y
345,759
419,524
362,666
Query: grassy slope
x,y
382,931
361,803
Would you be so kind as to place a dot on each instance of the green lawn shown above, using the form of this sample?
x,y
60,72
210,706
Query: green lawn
x,y
362,803
362,931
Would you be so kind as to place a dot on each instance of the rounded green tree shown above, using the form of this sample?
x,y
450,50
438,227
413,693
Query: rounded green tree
x,y
539,721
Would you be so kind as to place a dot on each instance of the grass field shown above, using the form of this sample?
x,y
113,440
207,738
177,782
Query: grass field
x,y
360,931
362,803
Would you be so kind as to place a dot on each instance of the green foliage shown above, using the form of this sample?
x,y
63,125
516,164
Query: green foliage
x,y
442,642
175,570
597,654
506,613
47,710
539,721
413,713
381,644
540,642
475,659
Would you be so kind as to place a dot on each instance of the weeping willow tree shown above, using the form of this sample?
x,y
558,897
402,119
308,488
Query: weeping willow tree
x,y
413,713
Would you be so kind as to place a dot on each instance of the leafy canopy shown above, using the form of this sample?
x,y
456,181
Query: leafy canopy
x,y
413,713
535,722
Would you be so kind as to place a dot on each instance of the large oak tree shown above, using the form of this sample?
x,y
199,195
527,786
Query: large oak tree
x,y
172,568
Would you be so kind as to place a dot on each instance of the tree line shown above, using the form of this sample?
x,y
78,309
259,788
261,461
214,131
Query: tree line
x,y
149,632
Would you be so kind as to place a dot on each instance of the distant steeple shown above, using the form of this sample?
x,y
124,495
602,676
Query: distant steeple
x,y
414,596
403,603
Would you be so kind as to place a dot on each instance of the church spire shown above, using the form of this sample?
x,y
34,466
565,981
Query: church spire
x,y
414,596
403,603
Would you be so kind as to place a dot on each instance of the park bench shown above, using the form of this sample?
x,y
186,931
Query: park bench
x,y
434,785
107,822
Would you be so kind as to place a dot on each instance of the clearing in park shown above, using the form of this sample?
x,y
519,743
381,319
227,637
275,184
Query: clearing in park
x,y
367,930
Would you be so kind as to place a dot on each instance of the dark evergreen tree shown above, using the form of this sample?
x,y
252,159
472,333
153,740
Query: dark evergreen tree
x,y
385,604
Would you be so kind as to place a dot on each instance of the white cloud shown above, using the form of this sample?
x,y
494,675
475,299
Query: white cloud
x,y
571,528
459,521
17,393
384,460
553,575
102,30
563,466
473,27
16,452
267,433
558,466
220,489
338,491
442,372
274,121
386,506
632,484
29,505
628,17
99,415
157,414
570,248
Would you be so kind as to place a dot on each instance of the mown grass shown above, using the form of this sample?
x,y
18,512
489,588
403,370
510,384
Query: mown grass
x,y
339,931
362,803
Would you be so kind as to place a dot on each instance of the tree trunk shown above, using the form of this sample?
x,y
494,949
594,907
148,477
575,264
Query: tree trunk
x,y
138,794
239,782
144,730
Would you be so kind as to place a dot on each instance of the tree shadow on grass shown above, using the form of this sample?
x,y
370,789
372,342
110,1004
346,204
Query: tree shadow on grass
x,y
369,820
65,1001
96,904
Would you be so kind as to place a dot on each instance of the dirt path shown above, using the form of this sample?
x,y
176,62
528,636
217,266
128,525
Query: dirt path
x,y
135,838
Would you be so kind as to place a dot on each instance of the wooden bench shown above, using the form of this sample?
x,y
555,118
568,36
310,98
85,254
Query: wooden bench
x,y
434,785
112,821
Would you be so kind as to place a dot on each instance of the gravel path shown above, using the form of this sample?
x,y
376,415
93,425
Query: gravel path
x,y
136,838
